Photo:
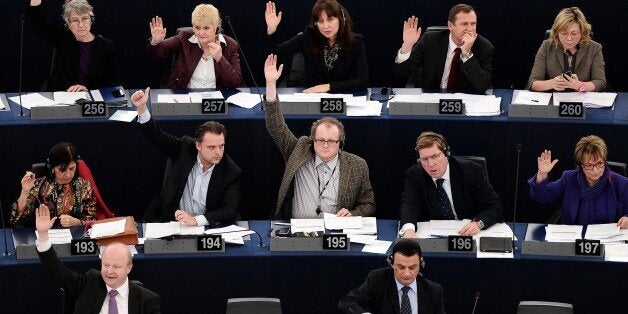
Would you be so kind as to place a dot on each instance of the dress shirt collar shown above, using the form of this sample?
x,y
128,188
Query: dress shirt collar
x,y
194,40
412,286
331,164
452,46
445,175
200,165
123,290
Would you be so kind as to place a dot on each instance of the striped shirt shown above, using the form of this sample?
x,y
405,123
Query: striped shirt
x,y
316,184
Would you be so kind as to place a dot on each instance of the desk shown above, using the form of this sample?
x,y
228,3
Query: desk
x,y
129,170
313,282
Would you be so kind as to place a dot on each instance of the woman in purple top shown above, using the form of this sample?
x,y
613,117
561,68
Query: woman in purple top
x,y
82,60
591,194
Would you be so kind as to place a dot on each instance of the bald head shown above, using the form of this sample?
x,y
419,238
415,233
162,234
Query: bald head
x,y
116,264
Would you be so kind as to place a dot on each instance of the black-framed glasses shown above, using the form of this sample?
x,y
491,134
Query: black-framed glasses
x,y
321,141
590,165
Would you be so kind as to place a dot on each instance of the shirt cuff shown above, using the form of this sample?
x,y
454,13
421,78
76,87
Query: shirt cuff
x,y
407,226
143,117
402,57
43,246
201,220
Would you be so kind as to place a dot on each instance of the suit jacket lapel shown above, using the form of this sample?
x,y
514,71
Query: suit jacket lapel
x,y
214,182
432,197
456,186
393,294
423,296
134,299
443,47
343,180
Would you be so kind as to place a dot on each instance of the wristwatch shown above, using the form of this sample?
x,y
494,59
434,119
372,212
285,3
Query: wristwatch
x,y
466,56
480,223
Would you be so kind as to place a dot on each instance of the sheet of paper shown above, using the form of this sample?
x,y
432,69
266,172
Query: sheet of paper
x,y
34,100
616,252
601,231
307,225
160,230
369,109
563,233
234,240
590,99
173,98
621,237
197,98
362,238
423,230
525,97
124,115
244,100
231,228
69,98
58,236
333,222
443,228
185,229
369,226
378,246
96,95
3,105
108,228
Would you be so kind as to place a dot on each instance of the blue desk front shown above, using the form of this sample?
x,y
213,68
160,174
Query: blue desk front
x,y
313,282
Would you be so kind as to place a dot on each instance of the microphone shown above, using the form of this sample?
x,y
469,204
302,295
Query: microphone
x,y
514,207
4,229
477,297
246,63
19,89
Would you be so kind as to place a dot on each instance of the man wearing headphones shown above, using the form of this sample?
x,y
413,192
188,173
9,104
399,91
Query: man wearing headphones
x,y
407,293
446,188
319,177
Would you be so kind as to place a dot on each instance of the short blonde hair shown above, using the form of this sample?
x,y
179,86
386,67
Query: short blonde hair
x,y
591,145
205,14
564,19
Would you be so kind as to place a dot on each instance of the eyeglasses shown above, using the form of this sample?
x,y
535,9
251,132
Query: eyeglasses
x,y
84,20
321,141
432,158
599,165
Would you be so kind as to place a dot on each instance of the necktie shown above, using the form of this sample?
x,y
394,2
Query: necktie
x,y
443,201
405,301
113,306
452,79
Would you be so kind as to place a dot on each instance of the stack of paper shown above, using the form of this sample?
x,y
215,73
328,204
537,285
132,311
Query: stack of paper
x,y
444,228
244,100
69,98
475,105
2,104
107,229
524,97
602,231
563,233
589,99
173,98
358,106
616,252
307,225
58,236
232,234
378,247
197,98
160,230
369,226
358,229
333,222
34,100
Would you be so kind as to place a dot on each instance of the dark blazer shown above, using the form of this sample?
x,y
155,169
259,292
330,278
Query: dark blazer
x,y
354,188
349,72
378,295
90,290
427,61
223,193
103,67
473,196
227,70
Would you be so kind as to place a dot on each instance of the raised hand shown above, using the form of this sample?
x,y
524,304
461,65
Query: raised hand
x,y
139,100
271,72
157,30
545,165
28,181
35,3
43,223
411,33
272,18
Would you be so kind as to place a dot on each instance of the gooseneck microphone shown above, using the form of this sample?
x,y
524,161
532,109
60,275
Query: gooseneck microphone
x,y
514,207
246,63
477,297
19,89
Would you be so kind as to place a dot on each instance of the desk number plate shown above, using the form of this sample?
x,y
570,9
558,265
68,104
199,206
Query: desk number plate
x,y
209,242
588,247
83,247
332,105
335,242
460,243
451,107
570,109
213,106
93,109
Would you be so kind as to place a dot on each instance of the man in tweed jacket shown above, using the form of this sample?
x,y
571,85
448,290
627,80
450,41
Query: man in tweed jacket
x,y
315,165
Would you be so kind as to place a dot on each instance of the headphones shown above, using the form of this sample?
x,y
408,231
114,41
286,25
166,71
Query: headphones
x,y
438,139
403,246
